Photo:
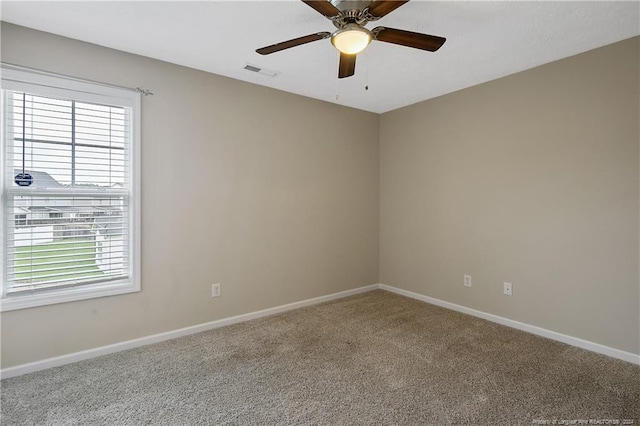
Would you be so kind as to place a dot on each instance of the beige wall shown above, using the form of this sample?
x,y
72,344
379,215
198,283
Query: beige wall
x,y
530,179
241,185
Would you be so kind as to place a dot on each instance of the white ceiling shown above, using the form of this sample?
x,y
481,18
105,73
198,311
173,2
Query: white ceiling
x,y
485,41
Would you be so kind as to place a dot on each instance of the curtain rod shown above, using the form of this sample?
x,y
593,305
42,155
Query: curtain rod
x,y
6,65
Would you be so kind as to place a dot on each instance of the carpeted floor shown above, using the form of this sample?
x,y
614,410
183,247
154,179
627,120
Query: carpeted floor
x,y
375,358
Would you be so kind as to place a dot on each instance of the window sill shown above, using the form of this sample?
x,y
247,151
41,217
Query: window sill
x,y
42,298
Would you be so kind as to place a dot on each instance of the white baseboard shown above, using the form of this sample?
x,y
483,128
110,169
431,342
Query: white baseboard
x,y
573,341
156,338
147,340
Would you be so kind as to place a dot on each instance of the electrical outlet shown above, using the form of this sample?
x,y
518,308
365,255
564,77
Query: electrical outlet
x,y
508,290
215,290
467,280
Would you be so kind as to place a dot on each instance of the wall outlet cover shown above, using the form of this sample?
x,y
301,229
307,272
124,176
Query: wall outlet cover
x,y
508,289
467,281
215,290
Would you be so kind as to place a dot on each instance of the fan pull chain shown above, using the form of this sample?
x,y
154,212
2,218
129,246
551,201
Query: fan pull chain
x,y
337,79
366,71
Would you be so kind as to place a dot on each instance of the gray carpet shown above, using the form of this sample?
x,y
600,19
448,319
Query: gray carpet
x,y
375,358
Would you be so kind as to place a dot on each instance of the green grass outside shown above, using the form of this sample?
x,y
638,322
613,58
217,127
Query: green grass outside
x,y
29,261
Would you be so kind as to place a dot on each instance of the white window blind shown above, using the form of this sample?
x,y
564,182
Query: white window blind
x,y
73,226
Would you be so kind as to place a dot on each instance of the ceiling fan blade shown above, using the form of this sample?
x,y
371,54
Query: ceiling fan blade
x,y
408,38
347,65
292,43
379,8
323,7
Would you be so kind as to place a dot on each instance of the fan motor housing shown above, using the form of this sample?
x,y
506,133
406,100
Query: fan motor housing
x,y
351,12
344,5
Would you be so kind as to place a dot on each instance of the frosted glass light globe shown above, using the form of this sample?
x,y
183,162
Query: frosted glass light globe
x,y
351,39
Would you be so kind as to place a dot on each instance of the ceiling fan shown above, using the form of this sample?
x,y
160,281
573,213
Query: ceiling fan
x,y
351,37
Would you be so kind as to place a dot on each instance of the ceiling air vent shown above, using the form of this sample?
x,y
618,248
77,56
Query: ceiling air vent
x,y
260,70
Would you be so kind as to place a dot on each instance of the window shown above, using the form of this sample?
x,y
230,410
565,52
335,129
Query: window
x,y
70,209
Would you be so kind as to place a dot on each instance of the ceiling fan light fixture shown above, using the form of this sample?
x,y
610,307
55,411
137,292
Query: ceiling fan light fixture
x,y
352,39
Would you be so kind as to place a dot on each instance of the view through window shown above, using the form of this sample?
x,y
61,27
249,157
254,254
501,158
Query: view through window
x,y
71,225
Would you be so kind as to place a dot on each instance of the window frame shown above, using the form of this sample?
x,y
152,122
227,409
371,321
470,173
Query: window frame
x,y
48,84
